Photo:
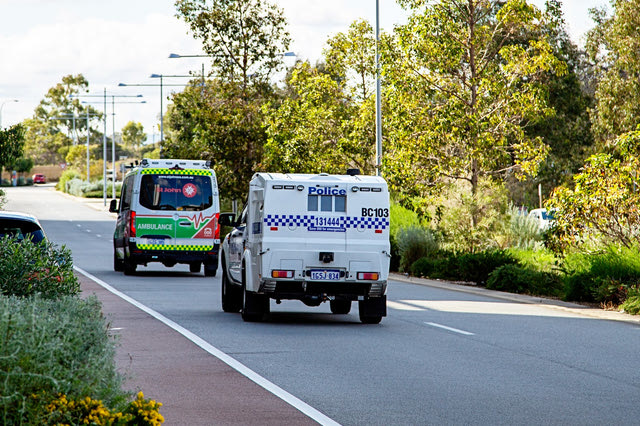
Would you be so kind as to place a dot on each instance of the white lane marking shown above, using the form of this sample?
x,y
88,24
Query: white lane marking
x,y
231,362
455,330
98,235
402,306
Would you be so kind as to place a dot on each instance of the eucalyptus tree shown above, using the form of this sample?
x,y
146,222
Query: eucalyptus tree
x,y
461,91
614,46
246,39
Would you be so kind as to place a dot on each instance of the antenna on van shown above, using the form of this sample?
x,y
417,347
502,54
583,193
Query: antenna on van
x,y
353,172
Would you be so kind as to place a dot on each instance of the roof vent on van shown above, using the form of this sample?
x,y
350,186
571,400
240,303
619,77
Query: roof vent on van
x,y
353,172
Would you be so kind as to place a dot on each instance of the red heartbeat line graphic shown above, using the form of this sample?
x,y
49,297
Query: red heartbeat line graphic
x,y
198,219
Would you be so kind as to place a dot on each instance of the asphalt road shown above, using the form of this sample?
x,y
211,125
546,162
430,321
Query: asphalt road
x,y
440,357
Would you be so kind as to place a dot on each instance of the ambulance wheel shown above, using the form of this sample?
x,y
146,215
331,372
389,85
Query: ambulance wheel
x,y
340,307
129,267
254,306
210,269
195,267
118,266
231,296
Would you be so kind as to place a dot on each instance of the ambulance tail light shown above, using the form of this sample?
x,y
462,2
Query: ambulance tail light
x,y
279,273
368,276
216,226
132,224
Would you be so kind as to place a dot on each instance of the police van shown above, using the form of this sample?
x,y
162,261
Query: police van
x,y
168,212
313,238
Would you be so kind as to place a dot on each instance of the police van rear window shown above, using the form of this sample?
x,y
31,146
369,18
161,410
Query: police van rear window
x,y
176,192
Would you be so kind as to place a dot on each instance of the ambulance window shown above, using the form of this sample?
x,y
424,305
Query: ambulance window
x,y
341,203
176,192
312,203
326,203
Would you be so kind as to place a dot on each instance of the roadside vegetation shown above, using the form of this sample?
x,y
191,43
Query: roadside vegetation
x,y
56,352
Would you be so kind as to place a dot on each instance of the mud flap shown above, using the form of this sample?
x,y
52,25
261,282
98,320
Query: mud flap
x,y
373,307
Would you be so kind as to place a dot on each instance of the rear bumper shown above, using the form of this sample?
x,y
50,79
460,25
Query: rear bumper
x,y
138,255
351,290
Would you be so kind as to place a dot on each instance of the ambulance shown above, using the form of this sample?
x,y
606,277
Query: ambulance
x,y
309,237
168,213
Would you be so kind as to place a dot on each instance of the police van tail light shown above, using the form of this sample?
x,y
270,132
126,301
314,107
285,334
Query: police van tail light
x,y
132,223
279,273
368,276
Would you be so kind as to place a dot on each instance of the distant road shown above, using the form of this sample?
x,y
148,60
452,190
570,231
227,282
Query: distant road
x,y
440,357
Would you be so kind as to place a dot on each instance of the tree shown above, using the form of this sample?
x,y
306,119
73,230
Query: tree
x,y
220,126
353,53
461,92
311,132
245,38
11,145
614,46
603,205
133,136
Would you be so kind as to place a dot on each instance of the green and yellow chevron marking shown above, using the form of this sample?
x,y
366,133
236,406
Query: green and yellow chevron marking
x,y
173,247
195,172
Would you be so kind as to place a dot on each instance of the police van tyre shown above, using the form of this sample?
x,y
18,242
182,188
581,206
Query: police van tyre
x,y
340,307
118,266
254,306
231,296
194,267
372,310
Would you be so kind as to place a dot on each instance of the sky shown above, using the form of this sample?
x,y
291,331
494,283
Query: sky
x,y
125,41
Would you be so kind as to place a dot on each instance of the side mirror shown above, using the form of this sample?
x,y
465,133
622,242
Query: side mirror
x,y
113,206
227,219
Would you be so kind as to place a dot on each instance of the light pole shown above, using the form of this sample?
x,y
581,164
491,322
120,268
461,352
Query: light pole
x,y
378,96
155,85
1,106
104,139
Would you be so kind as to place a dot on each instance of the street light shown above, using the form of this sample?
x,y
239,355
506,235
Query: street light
x,y
104,139
1,106
378,96
155,85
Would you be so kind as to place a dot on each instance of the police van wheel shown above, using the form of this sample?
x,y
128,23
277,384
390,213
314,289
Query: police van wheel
x,y
254,306
117,263
194,267
129,267
340,307
231,296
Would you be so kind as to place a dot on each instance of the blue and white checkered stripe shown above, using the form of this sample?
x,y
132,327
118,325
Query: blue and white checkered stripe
x,y
306,221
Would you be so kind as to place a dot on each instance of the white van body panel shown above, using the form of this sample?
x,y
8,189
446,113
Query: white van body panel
x,y
293,220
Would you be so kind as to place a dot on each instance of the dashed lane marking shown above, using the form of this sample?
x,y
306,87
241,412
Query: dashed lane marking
x,y
455,330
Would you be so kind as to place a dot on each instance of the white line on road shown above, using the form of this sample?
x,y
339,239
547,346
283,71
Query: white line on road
x,y
455,330
403,306
231,362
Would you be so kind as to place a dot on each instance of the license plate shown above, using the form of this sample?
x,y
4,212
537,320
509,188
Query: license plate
x,y
325,275
156,241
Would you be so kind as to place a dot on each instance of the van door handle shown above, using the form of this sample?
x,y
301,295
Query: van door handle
x,y
184,223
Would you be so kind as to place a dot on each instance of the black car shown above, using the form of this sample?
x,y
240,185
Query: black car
x,y
21,226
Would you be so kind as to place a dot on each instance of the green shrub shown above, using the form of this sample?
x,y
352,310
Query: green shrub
x,y
601,277
413,243
518,279
28,268
476,267
53,347
399,217
632,304
523,231
66,176
3,198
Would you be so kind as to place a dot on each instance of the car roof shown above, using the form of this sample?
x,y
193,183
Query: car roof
x,y
18,216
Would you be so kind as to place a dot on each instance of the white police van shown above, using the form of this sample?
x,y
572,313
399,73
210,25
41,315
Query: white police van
x,y
312,238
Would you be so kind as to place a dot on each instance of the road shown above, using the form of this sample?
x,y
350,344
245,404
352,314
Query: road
x,y
440,357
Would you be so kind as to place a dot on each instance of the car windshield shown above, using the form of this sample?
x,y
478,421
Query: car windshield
x,y
21,229
176,192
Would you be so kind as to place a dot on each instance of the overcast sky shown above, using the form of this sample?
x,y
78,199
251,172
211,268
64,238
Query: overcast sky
x,y
118,41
